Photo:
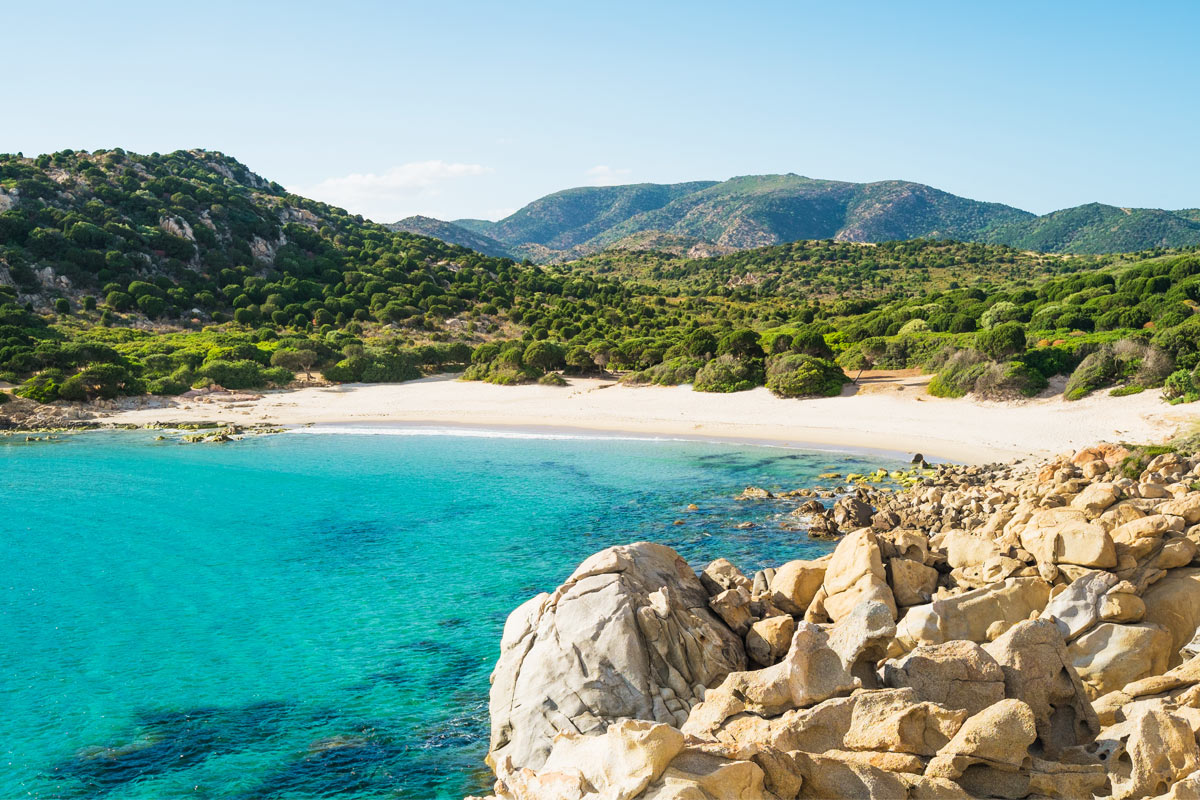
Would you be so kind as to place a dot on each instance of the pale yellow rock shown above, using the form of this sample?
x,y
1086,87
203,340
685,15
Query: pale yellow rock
x,y
1065,536
957,674
1187,507
1095,499
733,607
620,763
1038,670
965,549
1122,607
1148,752
697,775
1110,656
1152,526
912,583
795,584
1174,603
970,615
854,575
769,639
1000,735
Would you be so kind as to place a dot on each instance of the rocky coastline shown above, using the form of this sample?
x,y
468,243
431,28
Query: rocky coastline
x,y
1004,631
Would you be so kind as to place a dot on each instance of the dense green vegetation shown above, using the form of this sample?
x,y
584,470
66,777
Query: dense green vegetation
x,y
753,211
124,274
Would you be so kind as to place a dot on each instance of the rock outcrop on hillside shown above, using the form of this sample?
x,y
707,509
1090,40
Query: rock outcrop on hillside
x,y
991,633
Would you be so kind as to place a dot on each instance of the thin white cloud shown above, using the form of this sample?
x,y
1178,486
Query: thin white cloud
x,y
604,175
392,195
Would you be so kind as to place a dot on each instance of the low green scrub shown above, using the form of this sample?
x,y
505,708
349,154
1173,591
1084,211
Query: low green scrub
x,y
958,374
1182,386
672,372
1125,361
796,375
728,374
552,379
42,387
1125,391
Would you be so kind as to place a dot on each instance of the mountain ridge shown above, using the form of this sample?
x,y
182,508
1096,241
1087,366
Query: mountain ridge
x,y
750,211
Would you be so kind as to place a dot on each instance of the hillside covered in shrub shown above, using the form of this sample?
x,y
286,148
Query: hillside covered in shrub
x,y
122,274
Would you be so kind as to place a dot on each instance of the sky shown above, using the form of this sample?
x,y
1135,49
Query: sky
x,y
473,109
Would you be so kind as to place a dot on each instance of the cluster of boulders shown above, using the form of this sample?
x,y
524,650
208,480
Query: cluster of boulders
x,y
1007,633
21,414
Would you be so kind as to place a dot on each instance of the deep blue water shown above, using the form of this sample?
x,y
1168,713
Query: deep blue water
x,y
304,616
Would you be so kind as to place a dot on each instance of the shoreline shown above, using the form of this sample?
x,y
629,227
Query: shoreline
x,y
894,418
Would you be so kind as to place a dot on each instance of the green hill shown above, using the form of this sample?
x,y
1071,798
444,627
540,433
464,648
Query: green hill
x,y
1097,228
452,233
762,210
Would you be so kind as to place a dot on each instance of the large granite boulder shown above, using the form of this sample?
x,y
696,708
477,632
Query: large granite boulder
x,y
1039,671
629,635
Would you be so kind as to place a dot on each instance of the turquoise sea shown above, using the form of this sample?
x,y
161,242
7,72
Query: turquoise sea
x,y
316,615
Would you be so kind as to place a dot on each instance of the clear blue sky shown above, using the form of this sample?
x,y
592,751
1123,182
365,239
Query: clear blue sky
x,y
473,109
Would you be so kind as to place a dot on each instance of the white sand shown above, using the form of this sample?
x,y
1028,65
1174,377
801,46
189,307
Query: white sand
x,y
897,417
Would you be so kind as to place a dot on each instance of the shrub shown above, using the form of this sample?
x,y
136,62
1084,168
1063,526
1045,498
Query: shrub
x,y
552,379
62,306
1008,381
809,341
958,374
100,380
1098,370
1004,311
727,374
741,344
1182,386
166,386
797,375
1001,342
672,372
242,374
41,388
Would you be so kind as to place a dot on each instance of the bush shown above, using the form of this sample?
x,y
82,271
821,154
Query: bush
x,y
41,388
958,374
796,375
1008,381
728,374
1001,342
1098,370
1182,386
1124,361
672,372
100,380
552,379
242,374
166,387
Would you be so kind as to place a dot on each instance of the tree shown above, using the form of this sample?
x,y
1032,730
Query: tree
x,y
62,306
1001,342
742,343
701,343
296,360
545,355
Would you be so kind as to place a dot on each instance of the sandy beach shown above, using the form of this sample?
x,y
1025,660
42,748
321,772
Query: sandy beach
x,y
893,415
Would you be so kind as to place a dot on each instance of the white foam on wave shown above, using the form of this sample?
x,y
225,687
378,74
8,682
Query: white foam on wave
x,y
583,435
475,433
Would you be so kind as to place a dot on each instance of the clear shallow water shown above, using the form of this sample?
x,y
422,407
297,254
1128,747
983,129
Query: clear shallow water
x,y
306,616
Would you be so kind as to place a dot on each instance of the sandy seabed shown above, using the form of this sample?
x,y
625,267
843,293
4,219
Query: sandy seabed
x,y
890,414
